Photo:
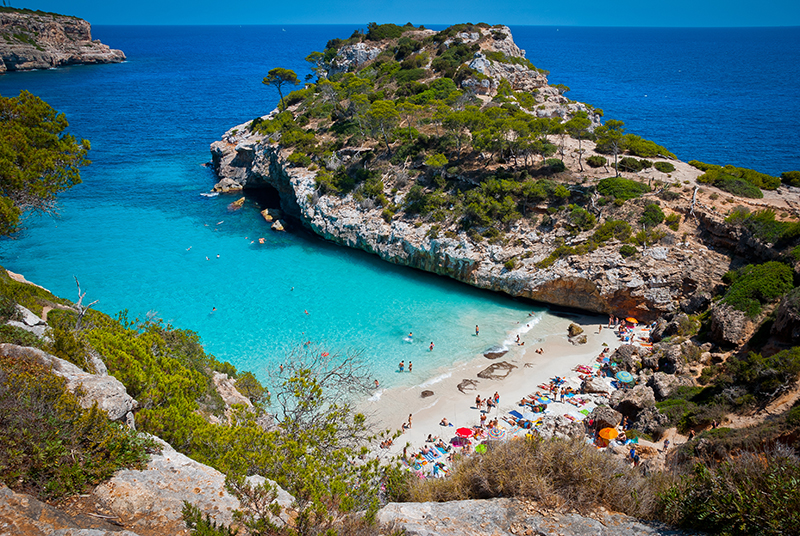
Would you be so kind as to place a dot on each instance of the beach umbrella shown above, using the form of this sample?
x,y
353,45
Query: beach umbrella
x,y
624,376
609,433
631,320
497,433
464,432
480,448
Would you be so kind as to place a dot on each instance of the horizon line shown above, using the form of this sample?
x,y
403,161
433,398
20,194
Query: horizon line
x,y
452,24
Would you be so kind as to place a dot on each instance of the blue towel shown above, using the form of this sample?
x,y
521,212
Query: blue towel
x,y
440,449
515,413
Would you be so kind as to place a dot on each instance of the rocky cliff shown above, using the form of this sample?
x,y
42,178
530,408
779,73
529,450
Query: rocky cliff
x,y
601,281
38,40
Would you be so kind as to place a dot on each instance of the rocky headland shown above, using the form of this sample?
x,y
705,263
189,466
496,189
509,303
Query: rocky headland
x,y
38,40
528,260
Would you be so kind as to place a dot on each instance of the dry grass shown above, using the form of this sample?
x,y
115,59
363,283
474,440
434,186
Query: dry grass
x,y
558,474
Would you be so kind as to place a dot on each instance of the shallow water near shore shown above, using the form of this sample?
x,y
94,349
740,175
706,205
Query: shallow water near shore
x,y
139,235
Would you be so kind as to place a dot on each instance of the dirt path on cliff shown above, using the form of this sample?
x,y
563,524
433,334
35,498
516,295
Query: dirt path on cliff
x,y
773,409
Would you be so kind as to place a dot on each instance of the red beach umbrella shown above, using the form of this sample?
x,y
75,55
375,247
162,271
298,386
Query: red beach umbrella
x,y
464,432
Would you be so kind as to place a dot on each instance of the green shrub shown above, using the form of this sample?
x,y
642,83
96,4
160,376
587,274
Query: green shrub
x,y
379,32
299,159
743,495
792,178
635,145
627,250
753,285
408,75
51,446
766,376
632,165
617,229
581,218
652,215
556,165
664,167
673,221
714,173
729,183
621,188
596,161
763,225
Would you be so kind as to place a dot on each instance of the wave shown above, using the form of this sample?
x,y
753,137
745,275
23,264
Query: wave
x,y
436,379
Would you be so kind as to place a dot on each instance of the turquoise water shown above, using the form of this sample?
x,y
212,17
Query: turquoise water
x,y
137,232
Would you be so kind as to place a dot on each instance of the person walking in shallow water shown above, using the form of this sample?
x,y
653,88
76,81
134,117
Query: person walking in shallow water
x,y
431,347
402,365
410,364
477,330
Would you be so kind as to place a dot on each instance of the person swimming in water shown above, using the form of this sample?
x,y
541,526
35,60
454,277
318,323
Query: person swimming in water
x,y
431,347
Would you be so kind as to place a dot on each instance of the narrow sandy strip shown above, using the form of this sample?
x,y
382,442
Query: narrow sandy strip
x,y
390,408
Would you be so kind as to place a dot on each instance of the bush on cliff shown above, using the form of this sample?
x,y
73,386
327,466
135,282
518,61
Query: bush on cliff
x,y
763,225
754,285
596,161
792,178
620,188
50,446
756,178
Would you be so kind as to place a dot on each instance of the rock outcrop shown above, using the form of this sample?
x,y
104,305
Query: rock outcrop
x,y
150,501
630,402
107,391
506,517
38,40
728,325
23,515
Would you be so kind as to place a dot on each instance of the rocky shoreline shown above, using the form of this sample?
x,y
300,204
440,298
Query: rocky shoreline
x,y
37,40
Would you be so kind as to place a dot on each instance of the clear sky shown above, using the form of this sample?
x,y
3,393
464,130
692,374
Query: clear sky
x,y
703,13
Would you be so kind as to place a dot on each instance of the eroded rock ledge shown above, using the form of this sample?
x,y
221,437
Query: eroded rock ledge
x,y
37,40
601,281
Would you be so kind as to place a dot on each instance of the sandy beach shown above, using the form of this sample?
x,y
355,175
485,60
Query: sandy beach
x,y
390,408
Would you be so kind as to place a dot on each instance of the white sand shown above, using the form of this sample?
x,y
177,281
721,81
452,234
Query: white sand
x,y
390,408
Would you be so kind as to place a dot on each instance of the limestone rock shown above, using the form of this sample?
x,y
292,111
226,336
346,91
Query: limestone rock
x,y
277,226
495,352
665,384
574,330
506,517
650,421
629,357
667,358
630,402
787,318
729,326
44,40
236,205
226,387
605,417
580,339
595,385
271,214
227,185
351,56
107,391
150,501
490,372
24,515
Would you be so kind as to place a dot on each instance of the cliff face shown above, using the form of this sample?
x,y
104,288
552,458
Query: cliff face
x,y
601,281
38,40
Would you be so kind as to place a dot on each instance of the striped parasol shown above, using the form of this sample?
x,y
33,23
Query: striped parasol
x,y
497,433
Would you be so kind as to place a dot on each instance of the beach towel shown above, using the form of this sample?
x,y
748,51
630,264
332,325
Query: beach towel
x,y
431,456
585,412
440,449
515,413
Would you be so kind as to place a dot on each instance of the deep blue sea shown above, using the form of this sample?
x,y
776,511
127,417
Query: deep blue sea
x,y
139,236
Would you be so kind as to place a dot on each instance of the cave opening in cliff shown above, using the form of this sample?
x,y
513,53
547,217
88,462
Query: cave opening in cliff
x,y
264,196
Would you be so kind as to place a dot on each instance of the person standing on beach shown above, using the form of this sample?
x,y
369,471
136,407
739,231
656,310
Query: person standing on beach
x,y
477,330
409,420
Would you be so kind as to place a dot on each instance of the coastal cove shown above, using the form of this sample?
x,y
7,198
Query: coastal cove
x,y
126,232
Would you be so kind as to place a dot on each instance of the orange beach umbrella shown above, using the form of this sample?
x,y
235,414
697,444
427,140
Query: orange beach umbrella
x,y
609,433
631,320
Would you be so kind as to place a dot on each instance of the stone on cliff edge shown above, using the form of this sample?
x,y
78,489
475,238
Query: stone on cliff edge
x,y
665,384
150,501
605,417
630,402
107,391
24,515
787,319
728,325
507,517
29,322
